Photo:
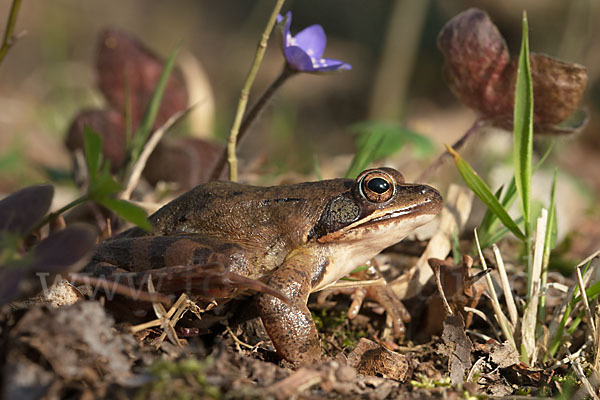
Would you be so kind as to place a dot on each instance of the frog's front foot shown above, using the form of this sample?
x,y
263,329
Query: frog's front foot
x,y
383,295
291,327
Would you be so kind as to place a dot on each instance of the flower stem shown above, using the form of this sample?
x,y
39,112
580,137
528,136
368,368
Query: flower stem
x,y
53,215
9,40
478,124
243,100
251,117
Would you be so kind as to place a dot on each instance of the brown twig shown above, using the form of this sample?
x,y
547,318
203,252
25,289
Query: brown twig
x,y
140,164
251,117
124,290
477,125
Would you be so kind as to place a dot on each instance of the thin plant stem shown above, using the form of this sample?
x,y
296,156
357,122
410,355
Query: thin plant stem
x,y
500,317
251,117
245,93
9,39
477,125
53,215
140,163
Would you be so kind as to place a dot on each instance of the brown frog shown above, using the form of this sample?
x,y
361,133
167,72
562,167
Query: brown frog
x,y
295,238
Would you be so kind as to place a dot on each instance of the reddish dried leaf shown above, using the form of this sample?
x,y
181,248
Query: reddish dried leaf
x,y
190,162
523,375
124,62
20,211
480,73
60,252
110,125
460,289
475,56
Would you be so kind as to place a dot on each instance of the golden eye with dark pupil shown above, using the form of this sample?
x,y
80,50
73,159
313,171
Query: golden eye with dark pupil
x,y
378,185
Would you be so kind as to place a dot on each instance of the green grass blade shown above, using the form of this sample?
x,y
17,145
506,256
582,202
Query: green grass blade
x,y
145,127
127,211
364,155
498,234
488,222
481,190
456,256
317,168
92,146
592,291
549,241
523,129
377,140
544,157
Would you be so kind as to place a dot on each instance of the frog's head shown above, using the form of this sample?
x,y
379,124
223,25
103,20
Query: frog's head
x,y
379,211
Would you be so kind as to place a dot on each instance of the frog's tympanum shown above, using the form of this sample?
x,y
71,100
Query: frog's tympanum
x,y
296,239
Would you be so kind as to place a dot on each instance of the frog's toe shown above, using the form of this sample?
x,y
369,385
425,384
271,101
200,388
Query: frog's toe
x,y
394,308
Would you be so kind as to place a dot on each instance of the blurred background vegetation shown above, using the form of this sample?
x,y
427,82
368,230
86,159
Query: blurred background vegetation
x,y
48,76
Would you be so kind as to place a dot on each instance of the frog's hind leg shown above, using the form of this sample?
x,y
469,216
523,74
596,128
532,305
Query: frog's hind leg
x,y
291,327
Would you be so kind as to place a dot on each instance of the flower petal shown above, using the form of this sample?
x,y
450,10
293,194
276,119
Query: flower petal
x,y
329,64
312,40
285,28
297,59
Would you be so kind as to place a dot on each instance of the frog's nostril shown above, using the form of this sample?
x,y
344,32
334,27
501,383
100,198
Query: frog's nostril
x,y
430,193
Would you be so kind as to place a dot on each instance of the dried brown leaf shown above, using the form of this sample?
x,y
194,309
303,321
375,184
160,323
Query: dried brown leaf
x,y
190,161
372,359
125,64
20,211
481,74
110,125
458,346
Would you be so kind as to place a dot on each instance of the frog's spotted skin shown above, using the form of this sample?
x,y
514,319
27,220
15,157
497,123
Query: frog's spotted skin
x,y
296,238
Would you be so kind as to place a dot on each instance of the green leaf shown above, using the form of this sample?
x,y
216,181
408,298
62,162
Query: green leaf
x,y
523,129
92,145
103,185
317,168
488,222
145,127
456,256
364,156
377,140
395,136
484,193
127,210
551,229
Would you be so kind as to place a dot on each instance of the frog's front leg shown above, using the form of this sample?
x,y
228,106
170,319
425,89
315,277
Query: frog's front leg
x,y
291,327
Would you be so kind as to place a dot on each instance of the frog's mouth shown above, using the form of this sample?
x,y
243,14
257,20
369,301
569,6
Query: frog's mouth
x,y
402,220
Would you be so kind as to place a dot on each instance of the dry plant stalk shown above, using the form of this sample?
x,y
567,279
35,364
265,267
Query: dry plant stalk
x,y
508,295
140,164
529,323
500,317
586,304
560,311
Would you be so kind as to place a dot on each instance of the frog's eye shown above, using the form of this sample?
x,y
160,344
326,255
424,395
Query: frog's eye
x,y
376,186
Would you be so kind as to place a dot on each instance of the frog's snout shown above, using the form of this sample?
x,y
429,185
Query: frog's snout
x,y
431,198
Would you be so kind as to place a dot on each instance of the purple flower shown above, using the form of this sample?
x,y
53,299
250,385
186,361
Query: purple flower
x,y
303,52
